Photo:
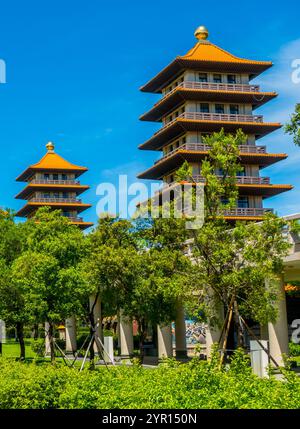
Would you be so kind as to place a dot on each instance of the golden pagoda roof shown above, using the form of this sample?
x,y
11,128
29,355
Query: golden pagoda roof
x,y
205,56
51,161
207,51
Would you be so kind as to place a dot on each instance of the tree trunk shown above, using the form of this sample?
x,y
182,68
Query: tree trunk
x,y
20,335
51,341
142,334
237,325
92,331
35,331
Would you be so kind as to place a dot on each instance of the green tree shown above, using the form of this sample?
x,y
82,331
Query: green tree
x,y
293,126
231,262
109,268
127,268
160,284
12,303
47,272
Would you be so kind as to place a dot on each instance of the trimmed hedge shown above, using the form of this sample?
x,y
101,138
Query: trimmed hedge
x,y
171,385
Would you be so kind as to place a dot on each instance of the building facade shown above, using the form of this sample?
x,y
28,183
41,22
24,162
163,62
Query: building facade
x,y
53,182
204,91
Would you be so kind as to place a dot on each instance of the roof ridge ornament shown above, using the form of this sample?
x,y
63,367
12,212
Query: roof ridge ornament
x,y
50,147
201,33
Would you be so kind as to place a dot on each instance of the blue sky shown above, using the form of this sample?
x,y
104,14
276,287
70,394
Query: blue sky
x,y
74,70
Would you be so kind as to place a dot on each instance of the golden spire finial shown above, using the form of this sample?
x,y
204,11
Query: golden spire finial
x,y
50,147
201,33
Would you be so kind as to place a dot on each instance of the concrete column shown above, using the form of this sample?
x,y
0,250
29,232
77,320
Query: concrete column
x,y
259,358
47,342
278,331
109,350
164,340
119,336
126,337
2,332
213,330
95,306
71,343
180,333
212,337
264,332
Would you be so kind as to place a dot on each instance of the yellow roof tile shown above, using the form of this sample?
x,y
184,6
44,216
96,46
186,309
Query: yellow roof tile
x,y
207,51
52,160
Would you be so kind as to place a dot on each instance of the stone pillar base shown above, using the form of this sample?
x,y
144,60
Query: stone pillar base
x,y
181,354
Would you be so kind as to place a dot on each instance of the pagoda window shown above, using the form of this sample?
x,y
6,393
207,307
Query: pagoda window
x,y
241,173
203,136
219,172
243,202
64,176
65,195
202,77
55,176
231,78
56,195
46,194
204,107
46,176
219,108
234,109
217,78
224,201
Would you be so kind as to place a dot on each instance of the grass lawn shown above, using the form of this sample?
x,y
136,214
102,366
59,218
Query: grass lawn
x,y
11,349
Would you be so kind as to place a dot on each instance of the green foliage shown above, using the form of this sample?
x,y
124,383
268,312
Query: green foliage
x,y
184,173
294,349
237,262
38,347
293,127
221,191
171,385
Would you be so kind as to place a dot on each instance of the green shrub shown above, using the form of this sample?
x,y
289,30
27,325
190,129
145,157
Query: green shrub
x,y
294,349
38,346
198,384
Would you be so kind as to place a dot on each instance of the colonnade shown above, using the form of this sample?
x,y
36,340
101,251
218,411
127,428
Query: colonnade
x,y
276,333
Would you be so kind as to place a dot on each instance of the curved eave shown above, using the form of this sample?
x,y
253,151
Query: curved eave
x,y
83,225
173,100
180,126
258,189
265,191
32,206
30,188
29,172
244,218
163,166
170,72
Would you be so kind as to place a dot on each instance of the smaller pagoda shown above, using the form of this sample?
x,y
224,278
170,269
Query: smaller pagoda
x,y
53,182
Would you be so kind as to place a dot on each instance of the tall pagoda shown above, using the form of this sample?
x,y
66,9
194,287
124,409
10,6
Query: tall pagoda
x,y
53,182
202,92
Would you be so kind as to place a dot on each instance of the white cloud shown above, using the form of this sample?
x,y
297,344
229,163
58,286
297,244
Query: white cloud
x,y
279,77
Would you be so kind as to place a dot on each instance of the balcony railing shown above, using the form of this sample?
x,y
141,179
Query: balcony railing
x,y
74,219
215,87
220,117
54,200
53,182
246,212
202,147
241,180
